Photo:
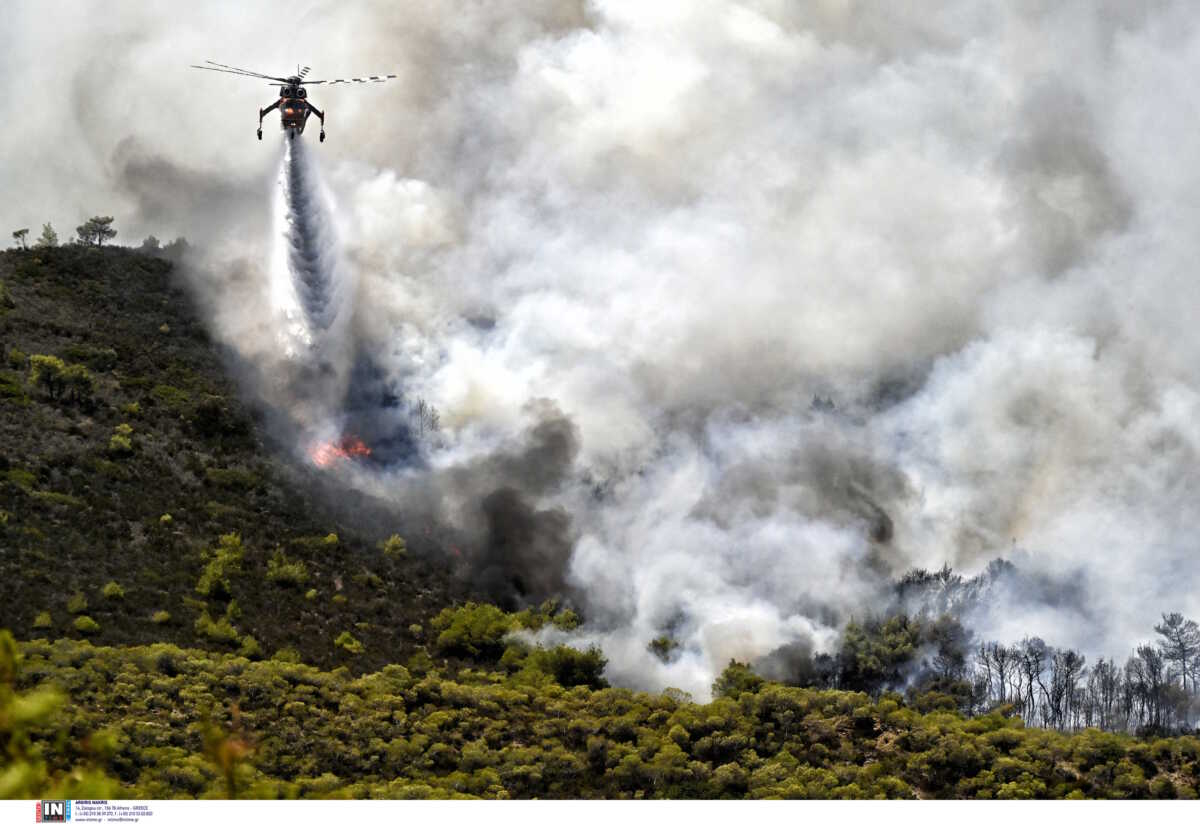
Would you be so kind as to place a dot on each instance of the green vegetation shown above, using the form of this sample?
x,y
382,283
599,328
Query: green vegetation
x,y
664,647
221,630
86,625
224,561
61,381
96,230
113,590
425,731
48,238
282,571
349,643
394,547
170,397
22,478
476,630
101,359
25,716
49,496
316,542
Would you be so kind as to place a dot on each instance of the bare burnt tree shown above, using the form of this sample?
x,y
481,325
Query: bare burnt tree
x,y
1180,645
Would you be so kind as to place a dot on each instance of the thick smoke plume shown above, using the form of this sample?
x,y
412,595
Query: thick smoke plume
x,y
732,311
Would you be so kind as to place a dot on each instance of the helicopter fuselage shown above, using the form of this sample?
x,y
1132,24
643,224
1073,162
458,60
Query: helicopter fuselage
x,y
293,113
294,110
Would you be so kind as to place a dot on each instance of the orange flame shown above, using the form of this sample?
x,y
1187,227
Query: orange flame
x,y
345,448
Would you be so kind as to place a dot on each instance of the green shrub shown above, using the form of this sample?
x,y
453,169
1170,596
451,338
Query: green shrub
x,y
59,380
316,542
282,571
349,643
735,680
394,547
77,603
224,561
221,630
250,648
43,621
17,359
100,359
161,617
132,409
86,625
473,629
366,578
46,372
12,387
566,620
113,591
120,446
165,519
169,396
311,595
21,477
210,416
570,667
56,498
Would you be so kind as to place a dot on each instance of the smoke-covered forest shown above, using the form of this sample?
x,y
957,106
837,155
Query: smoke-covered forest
x,y
182,551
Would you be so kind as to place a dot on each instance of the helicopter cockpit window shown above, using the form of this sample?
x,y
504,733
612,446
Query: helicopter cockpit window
x,y
287,91
301,93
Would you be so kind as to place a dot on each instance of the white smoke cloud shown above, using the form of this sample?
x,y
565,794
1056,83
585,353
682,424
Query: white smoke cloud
x,y
970,228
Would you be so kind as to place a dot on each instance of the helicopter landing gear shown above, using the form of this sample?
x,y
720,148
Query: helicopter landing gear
x,y
322,135
260,134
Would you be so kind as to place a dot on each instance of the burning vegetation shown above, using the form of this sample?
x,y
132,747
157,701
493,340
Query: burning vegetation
x,y
345,448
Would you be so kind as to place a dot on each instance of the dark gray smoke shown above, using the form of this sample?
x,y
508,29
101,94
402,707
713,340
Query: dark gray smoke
x,y
525,551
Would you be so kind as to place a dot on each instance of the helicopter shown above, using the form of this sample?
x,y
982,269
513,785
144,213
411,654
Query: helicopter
x,y
294,107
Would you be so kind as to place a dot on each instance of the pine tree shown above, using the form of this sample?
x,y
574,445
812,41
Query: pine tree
x,y
96,230
49,237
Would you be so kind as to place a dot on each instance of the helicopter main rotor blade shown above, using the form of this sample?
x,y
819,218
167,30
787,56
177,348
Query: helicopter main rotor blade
x,y
221,67
226,71
375,78
245,71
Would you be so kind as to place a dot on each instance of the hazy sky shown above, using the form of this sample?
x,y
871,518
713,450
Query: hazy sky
x,y
662,229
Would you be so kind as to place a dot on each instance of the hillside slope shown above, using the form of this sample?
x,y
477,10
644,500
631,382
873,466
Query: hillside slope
x,y
131,465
